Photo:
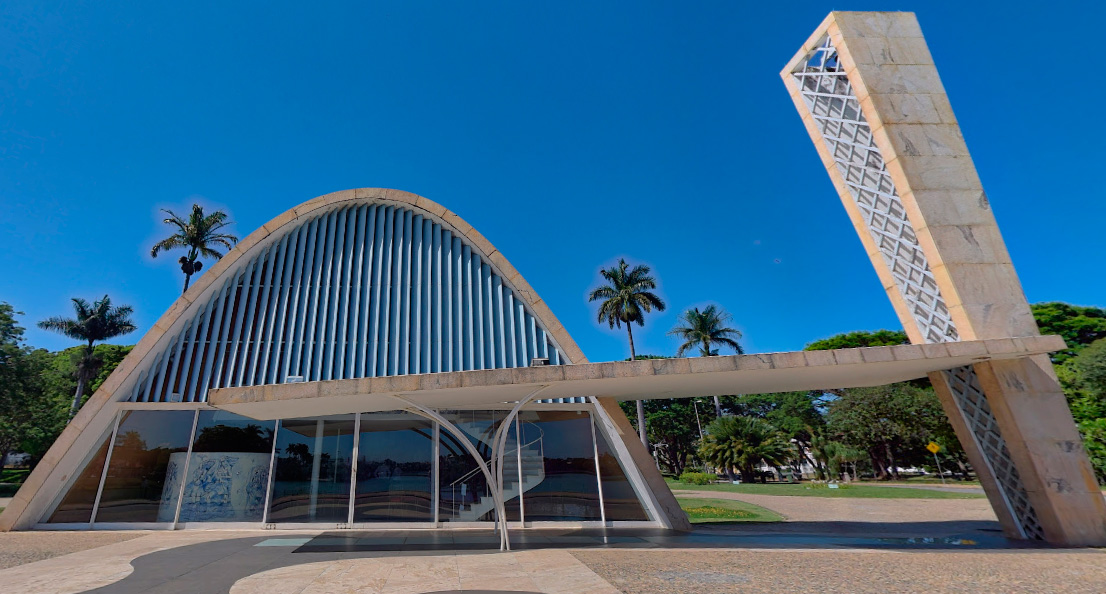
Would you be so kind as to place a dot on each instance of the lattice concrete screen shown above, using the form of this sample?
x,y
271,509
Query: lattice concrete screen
x,y
977,413
848,137
847,134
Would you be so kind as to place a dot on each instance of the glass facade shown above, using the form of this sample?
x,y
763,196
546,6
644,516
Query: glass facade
x,y
312,473
620,501
569,488
210,466
228,469
149,445
76,506
463,489
395,464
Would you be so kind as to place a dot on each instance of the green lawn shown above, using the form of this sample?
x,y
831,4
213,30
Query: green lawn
x,y
934,480
807,490
13,475
704,511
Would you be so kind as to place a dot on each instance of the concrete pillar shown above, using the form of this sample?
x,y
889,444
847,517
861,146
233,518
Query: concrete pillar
x,y
871,99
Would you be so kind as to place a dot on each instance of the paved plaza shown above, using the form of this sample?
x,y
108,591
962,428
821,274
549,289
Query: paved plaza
x,y
827,545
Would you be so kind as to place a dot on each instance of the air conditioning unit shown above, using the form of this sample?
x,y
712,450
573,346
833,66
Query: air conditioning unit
x,y
539,361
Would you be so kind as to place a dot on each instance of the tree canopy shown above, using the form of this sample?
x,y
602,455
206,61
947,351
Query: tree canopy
x,y
862,338
201,234
1080,326
703,329
93,323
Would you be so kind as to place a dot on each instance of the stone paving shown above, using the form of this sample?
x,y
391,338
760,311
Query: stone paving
x,y
954,549
855,571
18,548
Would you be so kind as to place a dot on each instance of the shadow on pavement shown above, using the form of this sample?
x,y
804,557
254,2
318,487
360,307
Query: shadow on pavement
x,y
214,567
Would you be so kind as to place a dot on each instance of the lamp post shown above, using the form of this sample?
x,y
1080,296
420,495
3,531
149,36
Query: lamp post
x,y
695,405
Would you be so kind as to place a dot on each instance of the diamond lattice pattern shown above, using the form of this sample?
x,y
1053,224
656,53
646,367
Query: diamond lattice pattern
x,y
977,413
848,136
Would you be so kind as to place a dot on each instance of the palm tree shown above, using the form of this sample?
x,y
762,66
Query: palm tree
x,y
200,233
626,298
94,323
743,443
704,328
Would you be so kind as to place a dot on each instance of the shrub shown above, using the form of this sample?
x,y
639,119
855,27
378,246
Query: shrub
x,y
698,478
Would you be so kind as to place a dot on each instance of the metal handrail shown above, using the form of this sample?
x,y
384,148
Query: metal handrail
x,y
456,505
538,440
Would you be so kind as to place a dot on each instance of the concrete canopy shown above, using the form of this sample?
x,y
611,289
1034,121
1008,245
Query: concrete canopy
x,y
627,380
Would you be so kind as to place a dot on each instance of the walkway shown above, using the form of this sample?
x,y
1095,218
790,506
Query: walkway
x,y
422,561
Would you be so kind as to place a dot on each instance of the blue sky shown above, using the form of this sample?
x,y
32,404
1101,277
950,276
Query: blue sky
x,y
569,135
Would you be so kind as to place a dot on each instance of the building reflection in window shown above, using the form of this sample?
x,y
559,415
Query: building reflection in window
x,y
144,452
76,507
394,466
568,488
312,472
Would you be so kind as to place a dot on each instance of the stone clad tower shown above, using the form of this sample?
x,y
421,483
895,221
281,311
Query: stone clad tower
x,y
869,94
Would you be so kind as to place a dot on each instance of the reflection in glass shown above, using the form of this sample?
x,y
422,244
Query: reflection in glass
x,y
78,502
312,475
463,490
394,464
619,499
228,470
564,485
142,456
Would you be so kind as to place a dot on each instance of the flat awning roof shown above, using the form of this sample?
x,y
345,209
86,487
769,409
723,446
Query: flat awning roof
x,y
626,380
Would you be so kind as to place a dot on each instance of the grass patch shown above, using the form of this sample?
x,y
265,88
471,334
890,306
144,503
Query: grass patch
x,y
8,490
13,475
805,490
725,511
935,480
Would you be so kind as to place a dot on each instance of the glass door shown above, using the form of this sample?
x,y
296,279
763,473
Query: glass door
x,y
311,474
395,462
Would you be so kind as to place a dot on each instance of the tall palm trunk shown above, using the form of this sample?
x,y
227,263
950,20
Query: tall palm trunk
x,y
640,404
717,403
82,379
190,270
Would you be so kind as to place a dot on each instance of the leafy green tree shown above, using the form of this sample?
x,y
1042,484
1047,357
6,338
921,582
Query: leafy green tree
x,y
1080,326
30,418
702,329
795,414
834,457
1084,379
744,443
862,338
94,323
673,425
625,299
225,438
892,423
201,234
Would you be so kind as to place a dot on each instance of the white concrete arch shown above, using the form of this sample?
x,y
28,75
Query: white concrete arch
x,y
153,372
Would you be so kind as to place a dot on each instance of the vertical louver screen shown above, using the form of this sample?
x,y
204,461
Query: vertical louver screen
x,y
362,291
